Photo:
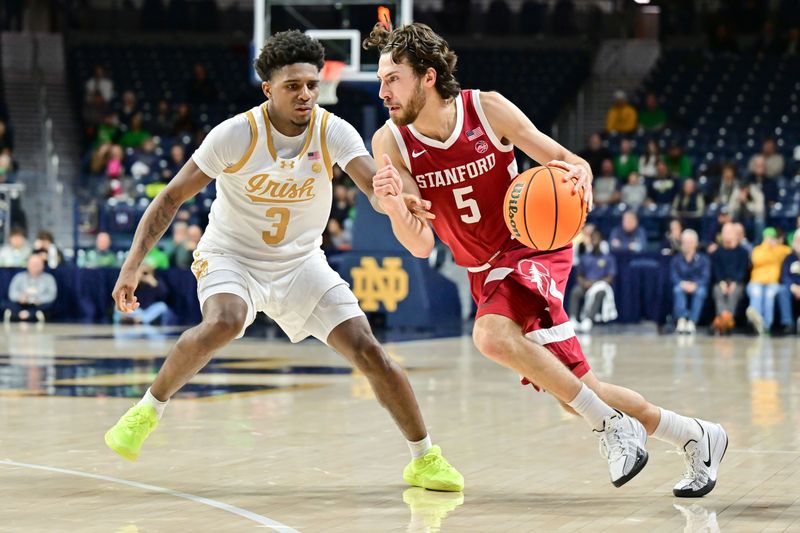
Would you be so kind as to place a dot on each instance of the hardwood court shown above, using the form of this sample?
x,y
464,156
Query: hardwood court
x,y
286,438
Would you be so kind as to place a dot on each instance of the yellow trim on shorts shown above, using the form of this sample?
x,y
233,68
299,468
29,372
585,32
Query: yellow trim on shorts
x,y
253,140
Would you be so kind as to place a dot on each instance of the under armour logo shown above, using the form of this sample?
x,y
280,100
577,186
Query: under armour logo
x,y
287,164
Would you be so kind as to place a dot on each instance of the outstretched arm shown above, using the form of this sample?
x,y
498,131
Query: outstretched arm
x,y
189,181
510,124
398,197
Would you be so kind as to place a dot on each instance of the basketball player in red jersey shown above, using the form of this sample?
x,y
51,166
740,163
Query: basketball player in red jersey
x,y
455,149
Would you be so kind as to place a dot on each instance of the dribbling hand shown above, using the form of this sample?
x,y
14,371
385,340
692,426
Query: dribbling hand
x,y
584,179
123,295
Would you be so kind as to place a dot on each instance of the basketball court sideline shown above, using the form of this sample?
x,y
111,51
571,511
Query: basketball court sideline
x,y
287,438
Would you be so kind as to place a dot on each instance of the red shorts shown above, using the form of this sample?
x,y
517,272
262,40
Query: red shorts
x,y
528,287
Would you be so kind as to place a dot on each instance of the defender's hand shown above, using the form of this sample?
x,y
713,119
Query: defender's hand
x,y
419,208
123,295
584,179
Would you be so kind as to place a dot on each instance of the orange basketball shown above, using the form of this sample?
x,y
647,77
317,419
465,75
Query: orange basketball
x,y
540,210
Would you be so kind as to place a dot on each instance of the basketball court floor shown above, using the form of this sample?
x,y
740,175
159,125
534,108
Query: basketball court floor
x,y
286,438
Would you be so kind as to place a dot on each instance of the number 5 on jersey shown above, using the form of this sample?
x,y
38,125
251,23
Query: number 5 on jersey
x,y
474,214
280,221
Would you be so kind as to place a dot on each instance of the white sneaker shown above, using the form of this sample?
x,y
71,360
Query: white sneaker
x,y
690,327
698,518
756,319
702,461
586,325
7,316
575,325
40,317
681,327
622,441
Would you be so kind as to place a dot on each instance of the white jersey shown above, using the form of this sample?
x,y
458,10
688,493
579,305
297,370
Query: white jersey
x,y
273,199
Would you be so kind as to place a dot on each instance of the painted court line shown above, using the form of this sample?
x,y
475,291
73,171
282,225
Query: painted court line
x,y
244,513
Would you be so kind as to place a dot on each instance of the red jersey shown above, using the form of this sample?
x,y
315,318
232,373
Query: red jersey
x,y
465,178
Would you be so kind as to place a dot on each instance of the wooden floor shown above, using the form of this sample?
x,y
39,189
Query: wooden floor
x,y
281,437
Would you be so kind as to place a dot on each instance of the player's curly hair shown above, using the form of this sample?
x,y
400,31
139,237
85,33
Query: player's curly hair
x,y
423,48
287,48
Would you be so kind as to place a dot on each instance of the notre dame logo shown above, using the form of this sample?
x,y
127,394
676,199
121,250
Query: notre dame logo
x,y
373,284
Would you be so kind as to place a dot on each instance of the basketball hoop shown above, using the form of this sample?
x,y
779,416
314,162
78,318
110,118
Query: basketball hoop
x,y
330,77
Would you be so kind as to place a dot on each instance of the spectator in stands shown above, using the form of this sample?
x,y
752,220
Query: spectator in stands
x,y
790,274
100,84
648,163
6,169
583,243
652,117
144,162
741,236
689,204
792,43
183,124
152,294
748,206
662,187
671,243
727,186
6,142
188,239
16,251
175,161
592,298
769,42
200,90
95,110
767,260
163,123
136,134
604,186
690,273
102,256
621,117
730,264
115,171
634,192
677,162
714,236
46,242
793,232
629,236
108,130
595,153
130,107
31,293
341,208
626,162
769,162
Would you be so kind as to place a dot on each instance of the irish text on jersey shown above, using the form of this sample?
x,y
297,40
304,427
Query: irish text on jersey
x,y
263,189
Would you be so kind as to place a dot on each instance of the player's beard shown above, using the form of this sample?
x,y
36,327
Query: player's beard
x,y
412,108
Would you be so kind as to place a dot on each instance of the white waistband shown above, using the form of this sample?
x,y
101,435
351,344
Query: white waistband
x,y
486,266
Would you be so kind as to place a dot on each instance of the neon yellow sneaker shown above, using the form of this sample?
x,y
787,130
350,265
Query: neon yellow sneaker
x,y
128,434
429,509
432,471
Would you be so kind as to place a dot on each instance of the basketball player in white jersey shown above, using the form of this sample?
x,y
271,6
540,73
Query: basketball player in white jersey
x,y
261,249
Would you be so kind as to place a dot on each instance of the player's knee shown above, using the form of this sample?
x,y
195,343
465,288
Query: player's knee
x,y
489,343
371,360
224,325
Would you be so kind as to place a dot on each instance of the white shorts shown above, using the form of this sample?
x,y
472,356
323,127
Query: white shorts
x,y
305,298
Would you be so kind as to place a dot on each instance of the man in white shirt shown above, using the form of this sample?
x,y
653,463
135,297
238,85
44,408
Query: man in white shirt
x,y
261,250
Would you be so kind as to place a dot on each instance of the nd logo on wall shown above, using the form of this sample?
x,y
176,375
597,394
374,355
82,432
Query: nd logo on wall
x,y
374,285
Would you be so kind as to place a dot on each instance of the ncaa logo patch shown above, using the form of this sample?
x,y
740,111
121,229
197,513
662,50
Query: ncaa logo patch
x,y
481,146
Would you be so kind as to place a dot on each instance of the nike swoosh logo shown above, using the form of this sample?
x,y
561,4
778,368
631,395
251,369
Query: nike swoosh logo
x,y
708,463
417,154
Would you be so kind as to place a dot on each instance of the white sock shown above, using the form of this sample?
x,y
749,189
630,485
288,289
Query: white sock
x,y
149,399
676,429
591,407
420,448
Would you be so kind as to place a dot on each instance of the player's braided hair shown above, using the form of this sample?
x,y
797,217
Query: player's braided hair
x,y
423,48
287,48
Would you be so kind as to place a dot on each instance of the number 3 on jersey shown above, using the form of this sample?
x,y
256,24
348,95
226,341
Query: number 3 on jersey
x,y
277,232
474,214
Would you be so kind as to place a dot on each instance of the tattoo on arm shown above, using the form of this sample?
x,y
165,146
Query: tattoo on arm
x,y
154,223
